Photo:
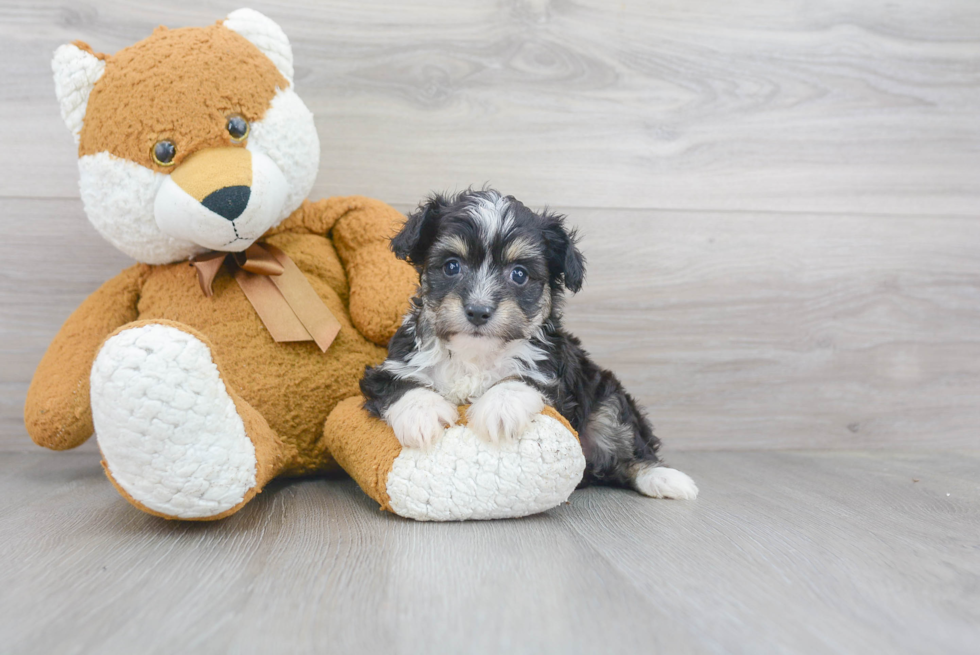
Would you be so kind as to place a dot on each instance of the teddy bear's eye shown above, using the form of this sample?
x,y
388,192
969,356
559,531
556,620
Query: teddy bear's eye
x,y
237,128
164,153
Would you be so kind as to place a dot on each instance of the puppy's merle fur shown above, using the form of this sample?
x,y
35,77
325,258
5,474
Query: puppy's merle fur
x,y
487,319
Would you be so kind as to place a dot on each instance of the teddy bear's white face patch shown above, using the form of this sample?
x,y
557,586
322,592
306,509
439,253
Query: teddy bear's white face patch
x,y
146,215
287,135
118,196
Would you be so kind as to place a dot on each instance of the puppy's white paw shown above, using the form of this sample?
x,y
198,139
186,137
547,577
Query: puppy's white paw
x,y
661,482
504,412
420,417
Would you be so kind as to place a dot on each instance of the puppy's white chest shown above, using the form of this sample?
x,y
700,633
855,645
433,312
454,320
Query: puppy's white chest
x,y
464,368
470,367
462,381
465,389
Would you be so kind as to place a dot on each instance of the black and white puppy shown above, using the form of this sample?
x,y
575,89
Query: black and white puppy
x,y
485,328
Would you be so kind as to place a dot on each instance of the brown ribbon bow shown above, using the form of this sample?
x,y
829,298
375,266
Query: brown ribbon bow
x,y
282,296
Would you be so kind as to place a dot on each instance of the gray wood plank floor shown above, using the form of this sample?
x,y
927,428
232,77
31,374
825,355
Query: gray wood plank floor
x,y
780,210
813,552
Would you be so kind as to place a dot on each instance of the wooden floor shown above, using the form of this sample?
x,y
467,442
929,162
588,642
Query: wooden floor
x,y
816,552
780,205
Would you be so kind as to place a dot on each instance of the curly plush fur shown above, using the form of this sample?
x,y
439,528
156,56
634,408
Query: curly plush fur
x,y
194,404
195,139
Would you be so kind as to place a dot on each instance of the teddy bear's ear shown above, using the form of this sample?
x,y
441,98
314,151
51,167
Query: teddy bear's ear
x,y
76,70
266,35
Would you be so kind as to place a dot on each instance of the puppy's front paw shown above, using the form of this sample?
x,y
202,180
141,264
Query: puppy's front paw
x,y
504,412
420,417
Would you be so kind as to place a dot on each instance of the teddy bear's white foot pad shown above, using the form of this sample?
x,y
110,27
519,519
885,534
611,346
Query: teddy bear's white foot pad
x,y
168,430
463,477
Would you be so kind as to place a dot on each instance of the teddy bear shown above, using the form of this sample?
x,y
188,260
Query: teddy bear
x,y
230,353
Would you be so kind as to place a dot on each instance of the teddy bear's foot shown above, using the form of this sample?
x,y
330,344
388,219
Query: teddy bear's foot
x,y
172,438
460,476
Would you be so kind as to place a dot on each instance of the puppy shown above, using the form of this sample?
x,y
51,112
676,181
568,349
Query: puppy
x,y
485,328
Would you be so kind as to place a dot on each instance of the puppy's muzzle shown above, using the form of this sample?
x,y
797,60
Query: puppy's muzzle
x,y
478,314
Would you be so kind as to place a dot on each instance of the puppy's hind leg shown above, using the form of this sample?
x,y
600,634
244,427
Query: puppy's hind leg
x,y
659,481
623,451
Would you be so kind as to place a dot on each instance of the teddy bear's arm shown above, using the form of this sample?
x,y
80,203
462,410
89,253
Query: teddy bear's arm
x,y
381,285
460,476
58,414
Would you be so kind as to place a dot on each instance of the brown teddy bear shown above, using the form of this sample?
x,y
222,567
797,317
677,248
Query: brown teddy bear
x,y
231,353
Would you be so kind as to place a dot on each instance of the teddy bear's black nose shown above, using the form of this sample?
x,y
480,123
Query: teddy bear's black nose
x,y
228,202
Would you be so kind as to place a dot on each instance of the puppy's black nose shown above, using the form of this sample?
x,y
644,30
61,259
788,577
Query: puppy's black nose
x,y
228,202
478,314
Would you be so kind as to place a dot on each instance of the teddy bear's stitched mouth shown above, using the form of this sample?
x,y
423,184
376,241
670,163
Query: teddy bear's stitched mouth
x,y
238,238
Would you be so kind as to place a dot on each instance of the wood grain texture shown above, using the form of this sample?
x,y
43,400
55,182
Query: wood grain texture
x,y
802,553
779,202
770,331
734,330
830,106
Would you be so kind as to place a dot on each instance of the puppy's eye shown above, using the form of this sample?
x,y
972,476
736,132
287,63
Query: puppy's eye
x,y
519,275
451,267
164,153
237,128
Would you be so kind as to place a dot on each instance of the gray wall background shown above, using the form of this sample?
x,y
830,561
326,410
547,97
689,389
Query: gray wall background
x,y
779,200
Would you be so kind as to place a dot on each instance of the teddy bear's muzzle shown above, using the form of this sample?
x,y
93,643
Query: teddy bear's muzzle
x,y
221,198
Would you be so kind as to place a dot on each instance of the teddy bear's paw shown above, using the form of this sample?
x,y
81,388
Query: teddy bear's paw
x,y
504,411
463,477
419,417
171,436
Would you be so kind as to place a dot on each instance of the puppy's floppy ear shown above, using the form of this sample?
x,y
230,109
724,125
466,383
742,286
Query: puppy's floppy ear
x,y
564,258
413,241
